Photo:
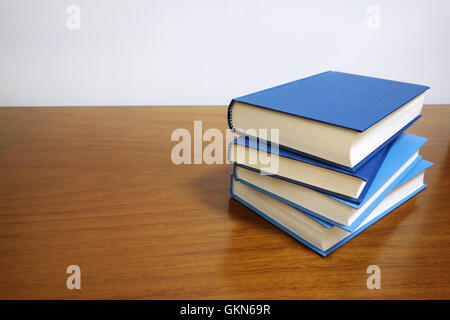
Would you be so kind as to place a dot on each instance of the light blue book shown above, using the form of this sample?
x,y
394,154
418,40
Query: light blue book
x,y
329,210
311,232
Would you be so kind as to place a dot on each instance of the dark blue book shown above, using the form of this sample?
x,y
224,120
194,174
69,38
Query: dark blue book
x,y
339,118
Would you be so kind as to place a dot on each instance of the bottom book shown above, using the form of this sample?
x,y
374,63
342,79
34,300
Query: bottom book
x,y
313,234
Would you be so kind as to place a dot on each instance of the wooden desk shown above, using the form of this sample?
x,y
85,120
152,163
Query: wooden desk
x,y
96,187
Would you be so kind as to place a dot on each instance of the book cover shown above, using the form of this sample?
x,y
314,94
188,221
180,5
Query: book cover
x,y
341,99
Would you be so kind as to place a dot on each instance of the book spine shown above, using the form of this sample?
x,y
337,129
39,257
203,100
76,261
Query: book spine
x,y
230,115
235,172
231,186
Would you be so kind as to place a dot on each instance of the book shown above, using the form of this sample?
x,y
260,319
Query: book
x,y
338,117
317,175
308,172
309,231
399,159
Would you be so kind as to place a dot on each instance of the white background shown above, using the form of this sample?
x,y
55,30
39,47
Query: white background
x,y
186,52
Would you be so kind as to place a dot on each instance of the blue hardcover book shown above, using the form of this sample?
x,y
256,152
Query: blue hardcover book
x,y
312,173
338,117
315,235
400,158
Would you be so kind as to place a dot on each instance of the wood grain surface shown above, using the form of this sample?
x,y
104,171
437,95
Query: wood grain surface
x,y
96,187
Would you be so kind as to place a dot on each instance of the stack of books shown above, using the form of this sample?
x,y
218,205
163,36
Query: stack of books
x,y
325,157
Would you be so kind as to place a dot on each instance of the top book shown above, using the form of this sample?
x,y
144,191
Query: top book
x,y
338,117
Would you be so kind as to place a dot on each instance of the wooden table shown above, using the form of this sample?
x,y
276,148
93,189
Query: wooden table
x,y
96,187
